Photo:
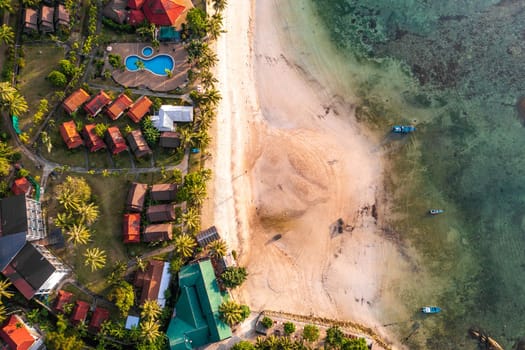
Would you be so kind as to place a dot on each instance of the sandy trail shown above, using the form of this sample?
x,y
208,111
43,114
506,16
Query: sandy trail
x,y
289,162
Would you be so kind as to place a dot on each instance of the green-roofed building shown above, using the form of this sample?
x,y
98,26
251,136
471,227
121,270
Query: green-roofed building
x,y
196,320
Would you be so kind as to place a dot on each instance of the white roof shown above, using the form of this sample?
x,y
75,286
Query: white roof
x,y
164,284
132,322
168,115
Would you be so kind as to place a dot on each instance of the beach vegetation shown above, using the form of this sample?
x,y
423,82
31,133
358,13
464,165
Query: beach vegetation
x,y
217,249
150,133
289,328
219,5
243,345
196,23
267,322
185,245
311,333
123,295
234,276
150,310
336,339
231,312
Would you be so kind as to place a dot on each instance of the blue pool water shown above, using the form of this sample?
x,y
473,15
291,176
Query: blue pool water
x,y
156,65
147,51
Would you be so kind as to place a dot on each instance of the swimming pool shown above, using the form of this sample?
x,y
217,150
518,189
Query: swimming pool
x,y
156,65
147,51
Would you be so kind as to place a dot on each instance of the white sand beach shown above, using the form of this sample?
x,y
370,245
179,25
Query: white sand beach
x,y
289,161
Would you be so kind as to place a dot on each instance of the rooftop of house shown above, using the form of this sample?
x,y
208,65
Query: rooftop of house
x,y
21,186
131,228
95,105
62,299
115,140
197,310
170,139
93,141
118,106
138,144
75,100
207,236
99,316
158,232
136,197
31,18
63,14
160,213
80,312
46,15
70,135
169,115
162,12
163,192
16,334
138,110
149,281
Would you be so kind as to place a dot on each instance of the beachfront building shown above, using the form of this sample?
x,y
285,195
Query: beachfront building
x,y
169,115
158,233
95,105
196,320
74,101
17,335
153,282
115,141
170,139
70,135
136,197
138,144
160,213
131,228
139,109
163,192
93,141
119,106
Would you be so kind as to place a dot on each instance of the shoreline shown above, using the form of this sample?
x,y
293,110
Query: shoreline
x,y
274,179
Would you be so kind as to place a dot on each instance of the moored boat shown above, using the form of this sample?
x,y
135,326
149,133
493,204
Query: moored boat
x,y
403,129
435,211
430,309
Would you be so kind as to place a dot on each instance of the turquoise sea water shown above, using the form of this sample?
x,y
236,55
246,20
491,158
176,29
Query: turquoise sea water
x,y
456,69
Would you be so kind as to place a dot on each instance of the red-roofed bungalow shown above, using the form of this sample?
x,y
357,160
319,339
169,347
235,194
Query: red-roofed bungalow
x,y
135,4
62,299
162,12
79,312
96,104
99,316
93,141
16,334
75,100
139,109
135,17
70,135
131,228
115,141
119,106
21,186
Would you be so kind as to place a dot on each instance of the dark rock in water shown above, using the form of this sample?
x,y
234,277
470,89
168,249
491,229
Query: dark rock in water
x,y
521,345
521,109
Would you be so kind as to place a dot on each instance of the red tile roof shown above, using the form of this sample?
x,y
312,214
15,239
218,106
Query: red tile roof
x,y
119,106
115,141
16,335
79,312
63,15
135,4
135,17
93,141
21,186
96,104
70,135
139,109
149,281
62,299
46,16
75,100
99,316
30,19
162,12
131,228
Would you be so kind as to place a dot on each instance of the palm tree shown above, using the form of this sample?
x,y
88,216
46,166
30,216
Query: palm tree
x,y
219,5
6,91
88,213
4,293
230,312
201,138
197,193
7,34
217,249
151,310
78,234
3,313
68,199
17,105
141,263
5,5
207,79
210,97
208,59
184,245
195,49
192,219
149,330
215,26
95,258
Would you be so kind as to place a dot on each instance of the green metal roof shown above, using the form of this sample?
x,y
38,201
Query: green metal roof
x,y
196,322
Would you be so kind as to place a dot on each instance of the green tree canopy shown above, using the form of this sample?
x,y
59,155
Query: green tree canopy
x,y
289,328
57,78
234,276
243,345
60,341
197,23
95,258
123,296
310,333
231,312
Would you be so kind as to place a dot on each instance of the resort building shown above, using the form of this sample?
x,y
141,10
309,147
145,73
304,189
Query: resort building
x,y
115,141
70,135
138,144
196,320
100,315
73,102
136,197
139,109
116,11
207,236
131,228
169,115
163,192
21,186
170,139
96,104
47,14
153,282
80,312
119,106
158,233
19,336
30,20
93,141
62,19
62,299
135,4
160,213
135,17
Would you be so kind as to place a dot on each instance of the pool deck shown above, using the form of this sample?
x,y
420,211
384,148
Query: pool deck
x,y
144,78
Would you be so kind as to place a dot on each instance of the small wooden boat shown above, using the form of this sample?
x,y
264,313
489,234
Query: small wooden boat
x,y
430,309
435,211
403,129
